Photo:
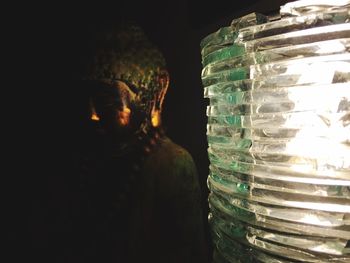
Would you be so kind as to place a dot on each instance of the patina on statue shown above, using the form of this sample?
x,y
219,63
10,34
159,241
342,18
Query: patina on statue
x,y
142,198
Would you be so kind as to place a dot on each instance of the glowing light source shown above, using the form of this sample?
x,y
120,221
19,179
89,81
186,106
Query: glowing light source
x,y
279,134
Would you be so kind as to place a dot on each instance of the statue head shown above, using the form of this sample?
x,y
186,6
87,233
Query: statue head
x,y
128,81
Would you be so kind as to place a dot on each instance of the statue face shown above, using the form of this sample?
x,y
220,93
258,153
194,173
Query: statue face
x,y
117,107
122,107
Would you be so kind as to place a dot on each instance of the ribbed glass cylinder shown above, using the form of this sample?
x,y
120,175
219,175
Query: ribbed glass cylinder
x,y
279,135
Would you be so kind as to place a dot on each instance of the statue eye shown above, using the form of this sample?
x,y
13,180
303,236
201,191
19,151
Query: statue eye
x,y
130,85
133,88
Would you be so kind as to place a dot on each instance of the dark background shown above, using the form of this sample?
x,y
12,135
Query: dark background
x,y
56,39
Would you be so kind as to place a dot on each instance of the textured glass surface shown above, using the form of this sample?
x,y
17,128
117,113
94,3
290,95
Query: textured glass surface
x,y
224,53
293,24
303,7
298,37
332,98
279,135
328,47
227,43
226,36
302,71
322,187
220,38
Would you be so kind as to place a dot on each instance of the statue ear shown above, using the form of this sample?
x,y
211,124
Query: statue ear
x,y
164,80
156,110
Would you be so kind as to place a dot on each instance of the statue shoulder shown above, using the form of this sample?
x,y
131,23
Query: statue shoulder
x,y
170,156
173,168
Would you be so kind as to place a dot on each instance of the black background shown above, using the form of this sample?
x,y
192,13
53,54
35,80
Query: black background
x,y
56,40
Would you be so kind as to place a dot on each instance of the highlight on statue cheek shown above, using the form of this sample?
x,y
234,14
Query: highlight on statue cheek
x,y
94,115
123,116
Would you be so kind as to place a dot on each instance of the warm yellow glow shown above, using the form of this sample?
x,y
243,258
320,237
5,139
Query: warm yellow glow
x,y
94,117
155,118
159,98
124,116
